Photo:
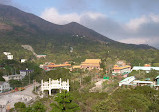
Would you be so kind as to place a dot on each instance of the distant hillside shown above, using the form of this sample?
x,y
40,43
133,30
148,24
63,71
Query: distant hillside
x,y
21,28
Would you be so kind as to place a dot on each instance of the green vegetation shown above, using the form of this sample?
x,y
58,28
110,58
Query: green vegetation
x,y
142,75
140,99
64,103
21,107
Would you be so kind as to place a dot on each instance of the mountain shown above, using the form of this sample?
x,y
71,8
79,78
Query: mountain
x,y
20,28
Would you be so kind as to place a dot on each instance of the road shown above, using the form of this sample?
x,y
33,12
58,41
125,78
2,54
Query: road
x,y
8,100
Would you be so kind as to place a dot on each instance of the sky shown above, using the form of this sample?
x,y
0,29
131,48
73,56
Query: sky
x,y
128,21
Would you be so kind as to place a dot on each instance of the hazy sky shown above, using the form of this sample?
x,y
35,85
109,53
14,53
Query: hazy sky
x,y
130,21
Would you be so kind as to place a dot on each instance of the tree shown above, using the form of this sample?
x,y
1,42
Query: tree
x,y
64,103
15,83
37,107
20,107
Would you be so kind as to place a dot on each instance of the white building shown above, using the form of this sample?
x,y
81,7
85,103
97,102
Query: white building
x,y
23,73
54,84
131,81
142,83
127,81
23,60
6,53
13,77
4,86
147,69
10,57
18,77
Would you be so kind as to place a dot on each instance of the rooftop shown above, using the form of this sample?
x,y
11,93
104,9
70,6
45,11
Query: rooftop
x,y
92,61
144,68
123,67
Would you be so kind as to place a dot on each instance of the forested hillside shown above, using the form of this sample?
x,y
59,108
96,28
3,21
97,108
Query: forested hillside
x,y
19,28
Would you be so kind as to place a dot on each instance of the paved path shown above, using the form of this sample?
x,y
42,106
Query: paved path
x,y
98,85
20,96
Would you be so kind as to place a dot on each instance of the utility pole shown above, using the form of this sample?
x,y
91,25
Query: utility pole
x,y
139,69
29,78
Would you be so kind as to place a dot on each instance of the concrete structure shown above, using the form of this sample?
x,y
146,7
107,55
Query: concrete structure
x,y
91,64
23,73
4,86
6,53
23,60
18,77
12,77
10,57
54,84
7,101
147,69
142,83
127,81
131,81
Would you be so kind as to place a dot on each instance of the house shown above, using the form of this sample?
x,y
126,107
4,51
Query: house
x,y
23,60
23,73
142,83
6,53
13,77
90,64
10,57
4,86
54,84
18,77
147,69
121,69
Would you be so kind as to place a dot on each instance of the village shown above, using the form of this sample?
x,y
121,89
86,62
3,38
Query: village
x,y
90,75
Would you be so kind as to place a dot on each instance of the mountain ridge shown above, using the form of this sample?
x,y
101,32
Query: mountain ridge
x,y
33,24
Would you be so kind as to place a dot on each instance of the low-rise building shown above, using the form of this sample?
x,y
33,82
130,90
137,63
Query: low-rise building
x,y
147,69
49,66
127,81
9,57
18,77
13,77
23,60
130,81
4,86
143,83
121,69
23,73
53,65
90,64
6,53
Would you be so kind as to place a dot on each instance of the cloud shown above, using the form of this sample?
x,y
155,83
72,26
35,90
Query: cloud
x,y
133,6
141,30
52,15
6,2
